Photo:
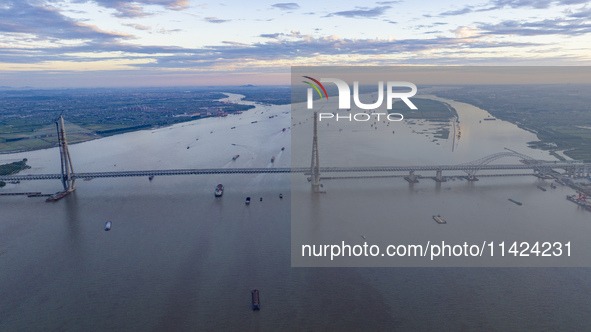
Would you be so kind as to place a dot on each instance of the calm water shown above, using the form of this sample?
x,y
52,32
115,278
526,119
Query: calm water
x,y
179,259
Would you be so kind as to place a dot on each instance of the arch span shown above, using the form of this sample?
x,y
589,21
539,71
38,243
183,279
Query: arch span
x,y
477,164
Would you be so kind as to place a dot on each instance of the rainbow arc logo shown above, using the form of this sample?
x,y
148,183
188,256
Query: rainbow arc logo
x,y
316,87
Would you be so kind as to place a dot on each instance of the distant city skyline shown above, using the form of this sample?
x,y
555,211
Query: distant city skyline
x,y
112,43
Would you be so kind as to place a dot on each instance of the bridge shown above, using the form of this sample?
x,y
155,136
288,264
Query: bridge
x,y
539,168
305,170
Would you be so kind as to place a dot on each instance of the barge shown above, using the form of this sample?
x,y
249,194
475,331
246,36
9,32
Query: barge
x,y
59,195
514,201
256,304
219,190
439,219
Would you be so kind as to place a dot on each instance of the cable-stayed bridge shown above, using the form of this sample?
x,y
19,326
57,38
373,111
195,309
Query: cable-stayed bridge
x,y
539,168
305,170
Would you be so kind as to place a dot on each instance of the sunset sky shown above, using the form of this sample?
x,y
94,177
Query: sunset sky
x,y
104,43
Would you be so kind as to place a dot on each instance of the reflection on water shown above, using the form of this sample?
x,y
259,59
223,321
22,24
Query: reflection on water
x,y
177,258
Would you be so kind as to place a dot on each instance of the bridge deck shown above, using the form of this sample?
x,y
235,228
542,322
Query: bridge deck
x,y
463,167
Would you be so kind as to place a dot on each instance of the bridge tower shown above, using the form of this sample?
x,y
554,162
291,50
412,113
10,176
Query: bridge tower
x,y
66,160
315,164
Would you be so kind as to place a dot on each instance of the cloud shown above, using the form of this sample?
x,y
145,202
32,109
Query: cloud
x,y
234,43
584,13
138,26
388,2
281,48
22,17
465,10
167,32
497,4
559,26
465,32
514,4
148,28
271,35
216,20
537,4
362,13
34,23
177,5
286,6
128,10
132,9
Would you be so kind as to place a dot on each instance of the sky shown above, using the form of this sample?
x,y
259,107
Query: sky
x,y
113,43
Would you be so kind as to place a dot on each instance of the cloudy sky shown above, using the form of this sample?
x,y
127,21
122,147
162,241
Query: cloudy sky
x,y
86,43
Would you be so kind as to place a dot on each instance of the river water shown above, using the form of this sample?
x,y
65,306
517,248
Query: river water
x,y
177,258
385,211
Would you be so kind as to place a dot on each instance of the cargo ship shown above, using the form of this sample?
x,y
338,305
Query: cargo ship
x,y
541,188
514,201
235,157
273,159
59,195
439,219
219,190
256,305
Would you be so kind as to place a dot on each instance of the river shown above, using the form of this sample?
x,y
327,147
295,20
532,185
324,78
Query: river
x,y
177,258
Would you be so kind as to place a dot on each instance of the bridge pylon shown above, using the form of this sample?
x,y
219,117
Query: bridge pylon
x,y
66,160
315,164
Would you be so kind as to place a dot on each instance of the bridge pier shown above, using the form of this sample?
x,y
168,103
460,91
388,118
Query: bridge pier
x,y
411,178
582,171
571,172
439,176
